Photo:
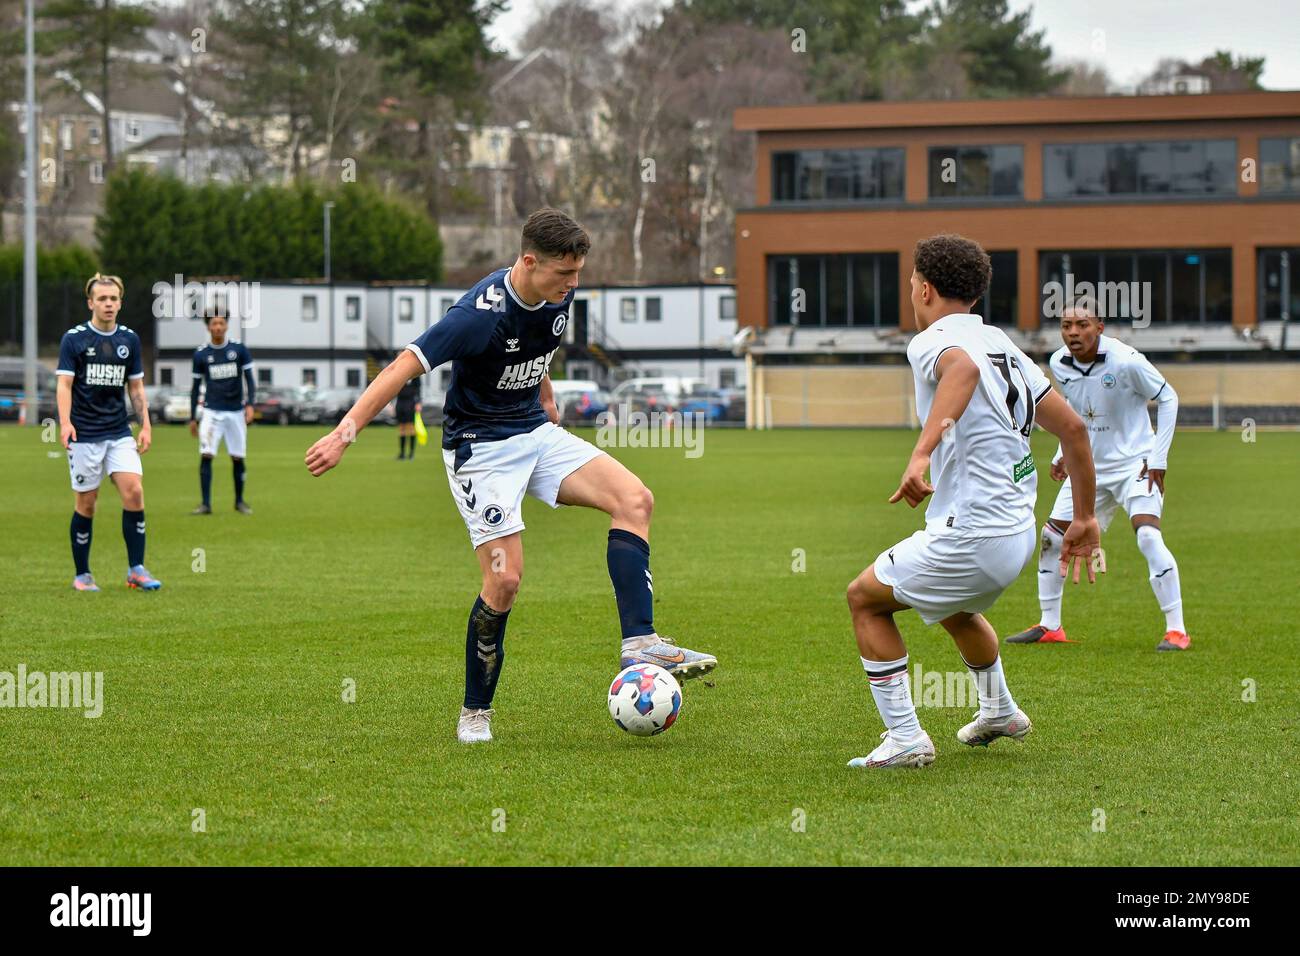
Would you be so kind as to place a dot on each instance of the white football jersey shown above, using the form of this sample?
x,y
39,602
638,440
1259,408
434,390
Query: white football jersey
x,y
1111,396
983,475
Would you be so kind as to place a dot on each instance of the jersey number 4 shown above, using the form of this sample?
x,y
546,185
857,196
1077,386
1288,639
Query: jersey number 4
x,y
1006,365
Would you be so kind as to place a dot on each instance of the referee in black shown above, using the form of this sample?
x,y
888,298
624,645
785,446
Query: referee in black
x,y
408,406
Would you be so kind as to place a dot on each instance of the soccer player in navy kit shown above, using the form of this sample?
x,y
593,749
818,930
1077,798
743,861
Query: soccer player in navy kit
x,y
225,369
96,362
500,441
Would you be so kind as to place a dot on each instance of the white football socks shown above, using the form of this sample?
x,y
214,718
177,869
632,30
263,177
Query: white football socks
x,y
1164,576
995,698
1051,586
893,695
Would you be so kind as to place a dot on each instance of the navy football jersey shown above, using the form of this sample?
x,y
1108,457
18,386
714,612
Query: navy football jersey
x,y
500,350
224,370
100,364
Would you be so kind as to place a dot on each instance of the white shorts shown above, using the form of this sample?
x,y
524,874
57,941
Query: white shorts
x,y
942,575
490,478
216,427
90,461
1115,488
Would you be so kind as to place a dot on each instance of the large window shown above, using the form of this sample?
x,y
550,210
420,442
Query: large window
x,y
838,290
309,308
1277,283
352,308
727,308
654,308
1000,303
1154,285
1279,165
405,308
1174,168
837,175
977,172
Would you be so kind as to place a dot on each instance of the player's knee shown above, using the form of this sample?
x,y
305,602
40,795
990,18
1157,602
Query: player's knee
x,y
638,503
501,587
85,505
857,595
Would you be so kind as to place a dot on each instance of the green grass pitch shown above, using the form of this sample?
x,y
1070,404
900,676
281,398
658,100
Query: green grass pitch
x,y
224,691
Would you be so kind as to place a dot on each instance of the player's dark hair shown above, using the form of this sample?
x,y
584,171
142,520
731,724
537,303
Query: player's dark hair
x,y
553,234
957,267
214,314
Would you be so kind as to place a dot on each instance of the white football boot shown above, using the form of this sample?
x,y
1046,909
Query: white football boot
x,y
917,752
474,726
982,731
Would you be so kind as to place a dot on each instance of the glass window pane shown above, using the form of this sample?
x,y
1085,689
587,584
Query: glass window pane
x,y
1118,267
1221,165
864,290
1186,271
806,293
812,175
1153,168
783,177
974,175
1122,169
837,290
782,284
1152,268
943,162
888,289
1089,167
1008,170
999,307
1058,171
1218,286
891,174
1188,164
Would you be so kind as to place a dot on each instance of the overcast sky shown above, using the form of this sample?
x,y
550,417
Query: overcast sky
x,y
1133,34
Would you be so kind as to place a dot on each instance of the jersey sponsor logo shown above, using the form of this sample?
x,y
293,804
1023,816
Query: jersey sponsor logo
x,y
97,373
493,516
525,374
224,370
490,298
1025,466
557,327
123,351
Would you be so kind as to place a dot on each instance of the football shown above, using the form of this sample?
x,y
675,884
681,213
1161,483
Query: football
x,y
645,700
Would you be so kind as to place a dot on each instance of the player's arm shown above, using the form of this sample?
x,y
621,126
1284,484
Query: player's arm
x,y
197,381
1166,419
140,402
327,452
250,388
547,397
958,377
63,397
1083,537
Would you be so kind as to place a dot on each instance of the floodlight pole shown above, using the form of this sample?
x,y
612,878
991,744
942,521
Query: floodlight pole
x,y
329,282
31,406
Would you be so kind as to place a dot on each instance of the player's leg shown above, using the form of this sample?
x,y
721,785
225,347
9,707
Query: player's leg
x,y
998,716
1051,586
85,471
607,485
207,451
1164,580
501,561
124,471
403,430
872,605
235,434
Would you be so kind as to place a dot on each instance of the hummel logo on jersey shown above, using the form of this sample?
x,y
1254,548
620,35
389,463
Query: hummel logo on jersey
x,y
512,345
465,486
493,299
525,374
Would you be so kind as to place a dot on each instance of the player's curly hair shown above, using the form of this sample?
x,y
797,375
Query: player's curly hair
x,y
957,267
98,279
553,234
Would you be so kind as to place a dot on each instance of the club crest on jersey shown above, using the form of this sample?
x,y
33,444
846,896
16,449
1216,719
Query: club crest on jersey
x,y
123,351
525,374
493,516
1108,381
230,354
557,327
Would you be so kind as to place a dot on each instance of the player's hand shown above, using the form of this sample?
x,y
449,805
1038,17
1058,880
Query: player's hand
x,y
67,434
1154,476
552,412
144,439
327,452
248,414
913,486
194,428
1081,543
1058,470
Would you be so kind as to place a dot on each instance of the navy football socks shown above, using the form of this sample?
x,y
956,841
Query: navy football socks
x,y
628,556
484,653
133,534
205,479
81,530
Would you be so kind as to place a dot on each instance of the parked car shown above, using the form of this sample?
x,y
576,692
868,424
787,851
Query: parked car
x,y
157,396
12,383
579,400
327,405
176,410
716,404
669,390
277,406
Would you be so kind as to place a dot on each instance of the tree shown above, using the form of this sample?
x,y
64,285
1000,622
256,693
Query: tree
x,y
80,41
1084,79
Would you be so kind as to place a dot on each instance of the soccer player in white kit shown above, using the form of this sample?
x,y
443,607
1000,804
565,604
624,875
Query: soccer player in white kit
x,y
1109,384
979,397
